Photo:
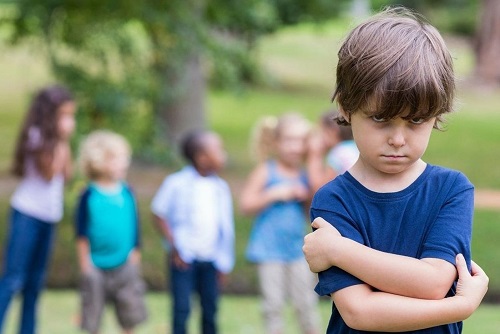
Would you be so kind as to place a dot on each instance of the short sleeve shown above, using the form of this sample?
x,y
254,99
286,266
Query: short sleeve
x,y
159,204
334,278
451,233
81,215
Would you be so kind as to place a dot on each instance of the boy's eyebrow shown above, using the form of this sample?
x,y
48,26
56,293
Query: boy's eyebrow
x,y
409,115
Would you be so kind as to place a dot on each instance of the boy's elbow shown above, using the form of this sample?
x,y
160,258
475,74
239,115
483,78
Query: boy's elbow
x,y
438,291
358,309
350,317
354,316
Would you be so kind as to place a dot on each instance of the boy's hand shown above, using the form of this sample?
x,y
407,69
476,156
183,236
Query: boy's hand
x,y
318,245
177,260
135,257
85,267
472,286
222,278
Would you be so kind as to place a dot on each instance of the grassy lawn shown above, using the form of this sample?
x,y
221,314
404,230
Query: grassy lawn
x,y
59,311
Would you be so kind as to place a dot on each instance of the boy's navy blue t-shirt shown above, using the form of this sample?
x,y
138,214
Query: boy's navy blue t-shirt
x,y
432,218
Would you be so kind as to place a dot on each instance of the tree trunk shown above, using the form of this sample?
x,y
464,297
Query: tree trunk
x,y
187,109
488,44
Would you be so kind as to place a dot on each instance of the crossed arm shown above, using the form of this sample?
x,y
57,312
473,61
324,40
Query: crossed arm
x,y
411,290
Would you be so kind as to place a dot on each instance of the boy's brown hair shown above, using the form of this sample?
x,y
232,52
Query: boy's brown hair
x,y
395,64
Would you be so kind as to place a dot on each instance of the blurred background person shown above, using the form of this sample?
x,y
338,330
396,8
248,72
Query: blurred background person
x,y
42,159
193,211
108,235
331,150
277,193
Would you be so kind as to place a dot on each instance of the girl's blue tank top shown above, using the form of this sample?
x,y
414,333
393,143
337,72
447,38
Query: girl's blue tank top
x,y
278,230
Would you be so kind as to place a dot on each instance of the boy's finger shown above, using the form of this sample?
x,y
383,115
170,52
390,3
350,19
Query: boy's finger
x,y
319,222
476,269
461,266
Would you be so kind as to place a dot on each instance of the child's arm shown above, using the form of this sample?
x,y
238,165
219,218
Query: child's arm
x,y
83,252
135,256
396,274
164,229
255,197
318,172
364,309
68,162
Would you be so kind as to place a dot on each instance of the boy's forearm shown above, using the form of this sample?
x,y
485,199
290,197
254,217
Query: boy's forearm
x,y
379,311
162,227
83,252
402,275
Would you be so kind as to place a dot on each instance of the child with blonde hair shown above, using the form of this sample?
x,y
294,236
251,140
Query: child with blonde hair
x,y
277,193
108,234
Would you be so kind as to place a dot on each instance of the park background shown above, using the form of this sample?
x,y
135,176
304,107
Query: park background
x,y
223,65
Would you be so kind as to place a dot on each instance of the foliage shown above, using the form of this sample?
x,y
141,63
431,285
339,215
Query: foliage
x,y
453,16
125,58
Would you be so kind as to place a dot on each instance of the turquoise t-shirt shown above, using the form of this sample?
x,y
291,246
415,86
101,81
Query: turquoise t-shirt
x,y
109,220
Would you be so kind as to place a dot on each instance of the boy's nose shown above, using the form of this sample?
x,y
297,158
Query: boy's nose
x,y
397,138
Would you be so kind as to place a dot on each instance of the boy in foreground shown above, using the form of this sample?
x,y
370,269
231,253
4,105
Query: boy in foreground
x,y
398,224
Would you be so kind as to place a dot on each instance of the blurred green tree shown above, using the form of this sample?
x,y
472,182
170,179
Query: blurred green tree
x,y
452,16
140,67
488,44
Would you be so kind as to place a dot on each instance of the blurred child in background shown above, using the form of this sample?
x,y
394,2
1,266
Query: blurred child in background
x,y
277,193
194,213
108,234
331,151
42,159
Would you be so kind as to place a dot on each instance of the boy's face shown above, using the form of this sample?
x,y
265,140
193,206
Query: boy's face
x,y
390,146
213,157
117,165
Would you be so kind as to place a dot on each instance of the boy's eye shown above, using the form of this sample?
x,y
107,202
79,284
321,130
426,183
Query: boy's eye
x,y
417,120
379,119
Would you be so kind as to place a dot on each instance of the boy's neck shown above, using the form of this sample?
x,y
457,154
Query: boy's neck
x,y
204,171
108,184
380,182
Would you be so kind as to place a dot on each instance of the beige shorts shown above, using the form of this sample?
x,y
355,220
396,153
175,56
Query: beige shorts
x,y
123,287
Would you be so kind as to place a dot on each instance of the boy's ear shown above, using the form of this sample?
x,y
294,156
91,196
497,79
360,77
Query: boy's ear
x,y
344,115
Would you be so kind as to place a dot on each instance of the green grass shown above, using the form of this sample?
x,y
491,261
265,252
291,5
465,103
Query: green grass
x,y
486,234
59,313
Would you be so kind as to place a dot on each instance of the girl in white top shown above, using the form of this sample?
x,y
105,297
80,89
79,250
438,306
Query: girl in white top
x,y
42,159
